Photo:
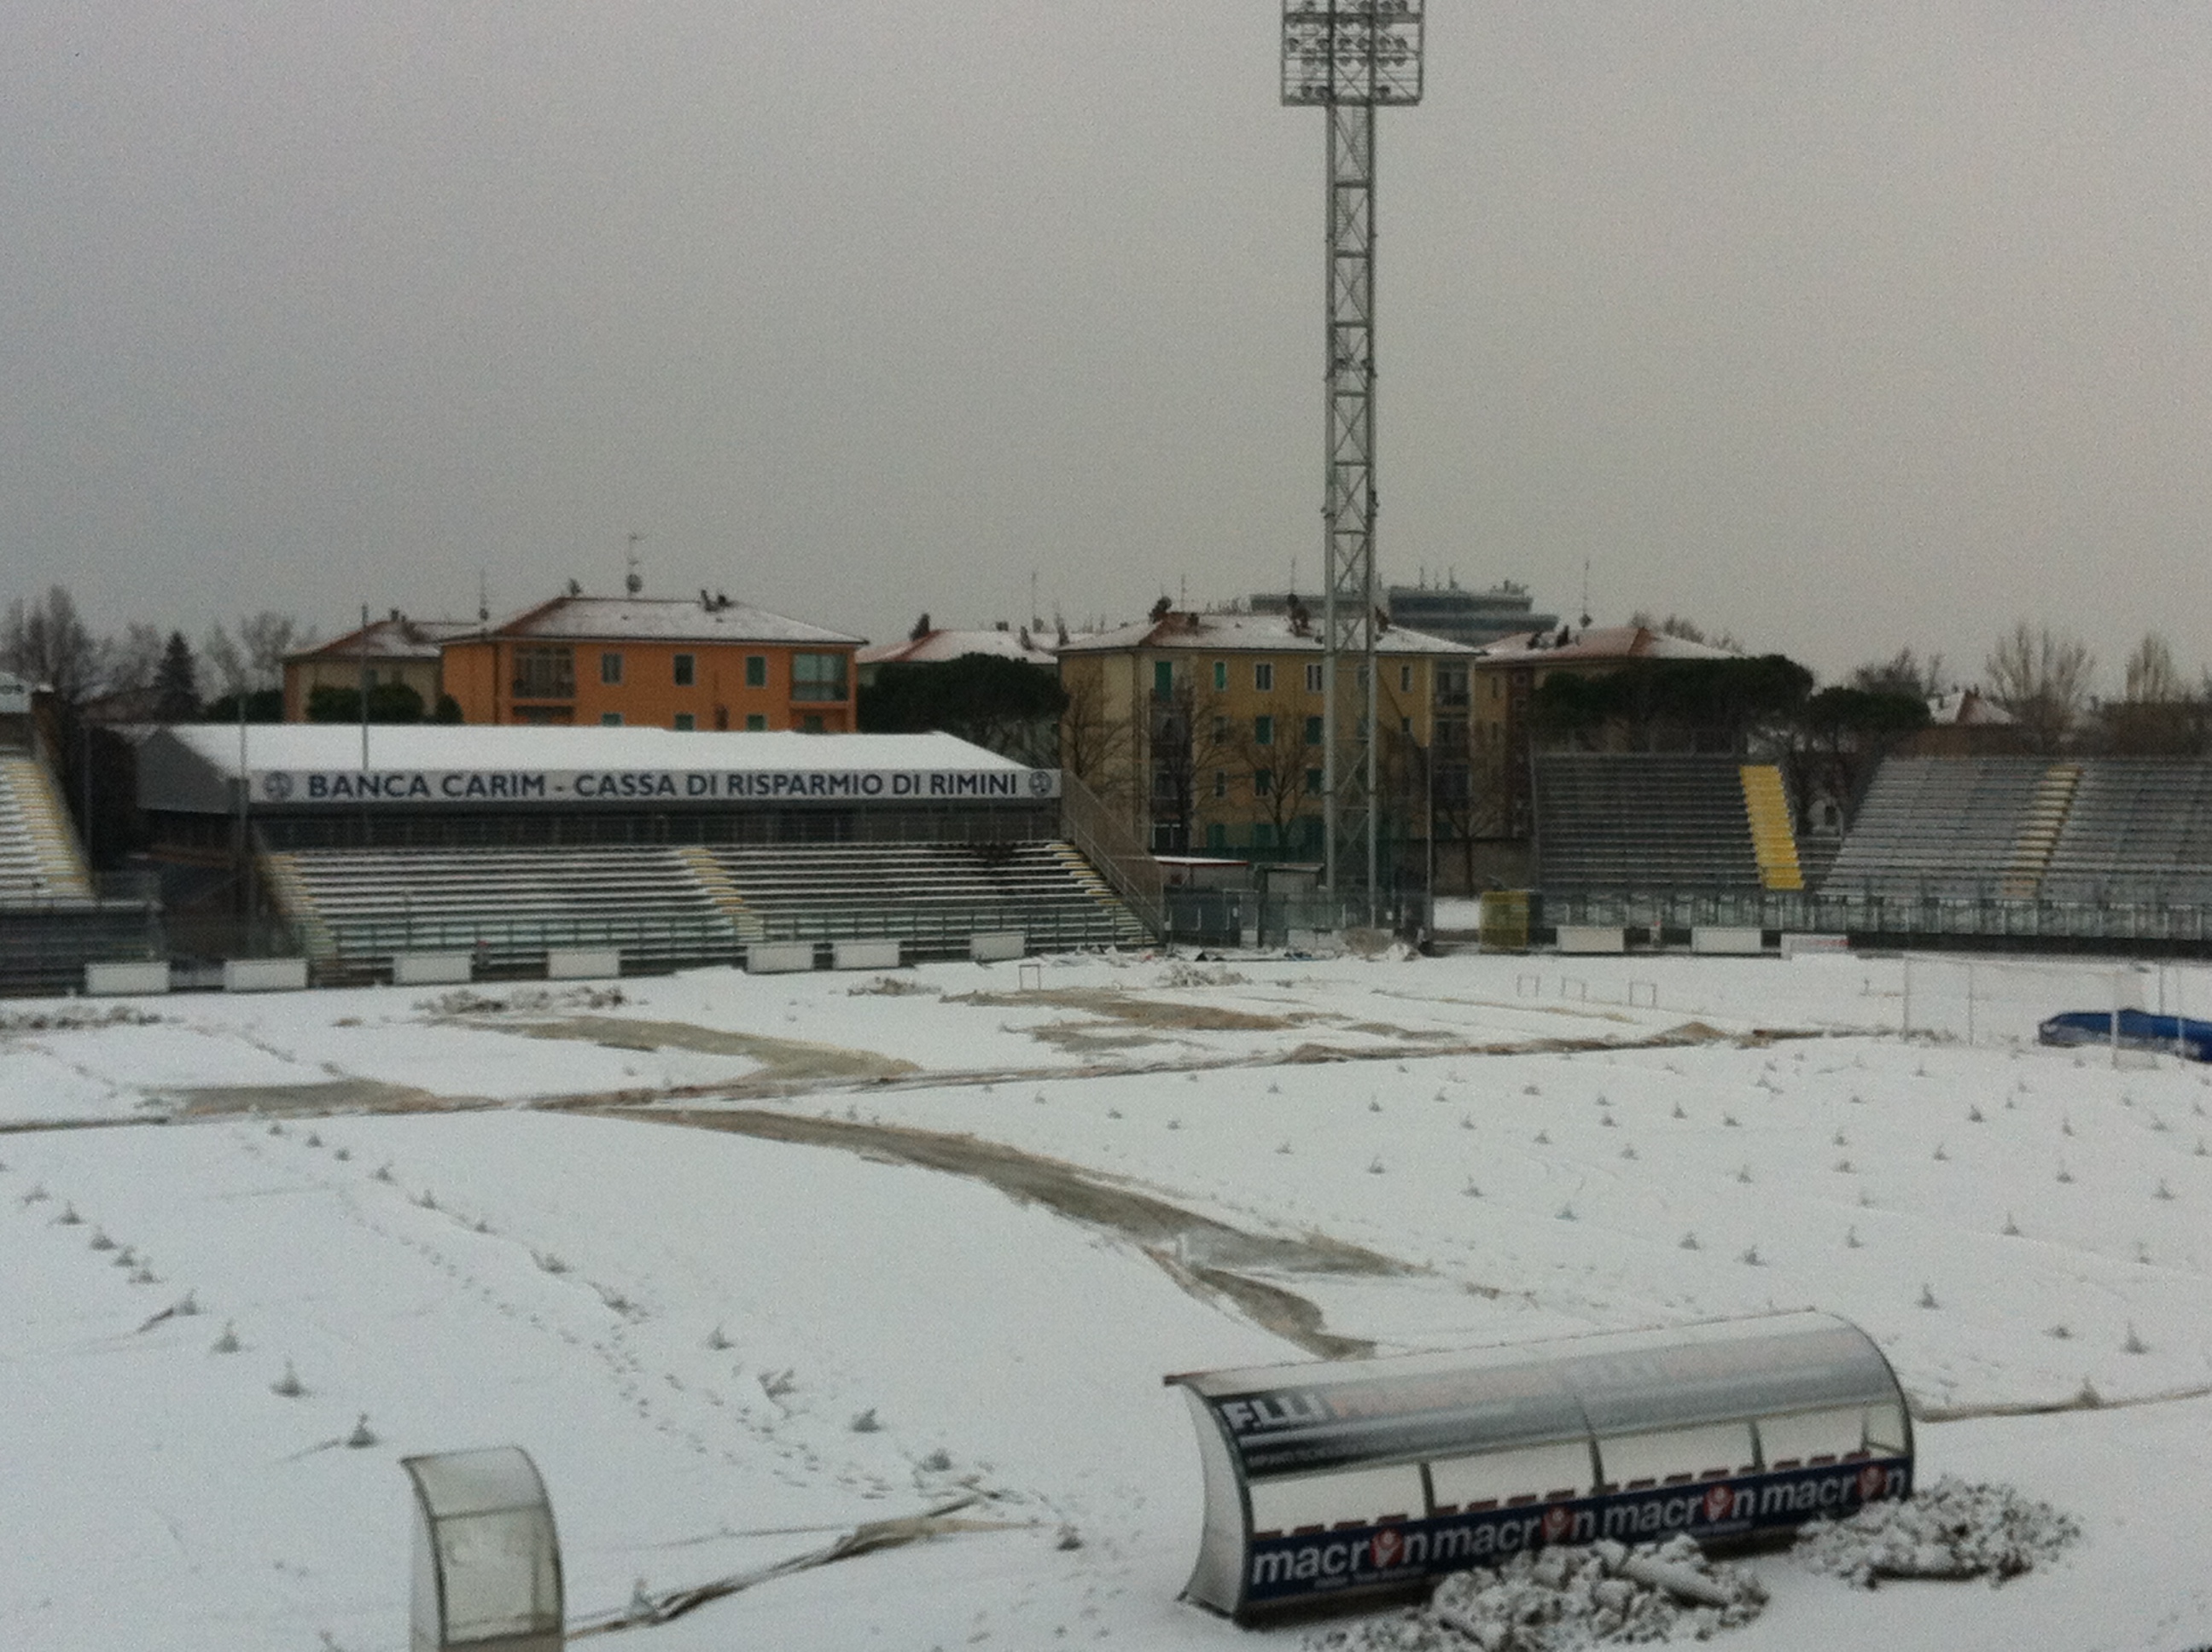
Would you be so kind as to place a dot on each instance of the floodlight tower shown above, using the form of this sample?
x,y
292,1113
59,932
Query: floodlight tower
x,y
1350,58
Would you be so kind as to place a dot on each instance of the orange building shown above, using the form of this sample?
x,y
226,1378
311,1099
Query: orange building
x,y
654,662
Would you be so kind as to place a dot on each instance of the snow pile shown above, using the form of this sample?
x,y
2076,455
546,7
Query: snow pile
x,y
1953,1529
1561,1598
72,1017
524,1001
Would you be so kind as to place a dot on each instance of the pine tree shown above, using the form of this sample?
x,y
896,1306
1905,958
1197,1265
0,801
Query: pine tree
x,y
176,685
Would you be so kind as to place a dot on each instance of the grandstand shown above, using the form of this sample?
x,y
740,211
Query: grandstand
x,y
2137,829
1947,828
933,895
356,907
1651,821
39,860
669,848
52,921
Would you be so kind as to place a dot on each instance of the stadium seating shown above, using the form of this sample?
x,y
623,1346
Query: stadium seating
x,y
666,906
1944,827
935,896
39,860
1643,821
356,907
2139,829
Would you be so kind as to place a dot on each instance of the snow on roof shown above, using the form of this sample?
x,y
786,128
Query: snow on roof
x,y
1597,642
432,747
1967,707
396,638
934,646
669,619
1229,632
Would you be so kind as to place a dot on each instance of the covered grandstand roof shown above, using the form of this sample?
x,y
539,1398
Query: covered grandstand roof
x,y
190,767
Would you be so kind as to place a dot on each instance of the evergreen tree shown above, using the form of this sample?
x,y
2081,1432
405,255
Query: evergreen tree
x,y
176,682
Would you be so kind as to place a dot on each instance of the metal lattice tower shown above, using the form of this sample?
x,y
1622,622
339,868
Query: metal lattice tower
x,y
1350,57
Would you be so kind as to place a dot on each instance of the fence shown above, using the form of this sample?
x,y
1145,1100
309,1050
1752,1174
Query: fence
x,y
1251,918
1871,917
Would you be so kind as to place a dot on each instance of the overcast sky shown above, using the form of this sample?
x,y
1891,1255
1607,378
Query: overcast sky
x,y
1840,326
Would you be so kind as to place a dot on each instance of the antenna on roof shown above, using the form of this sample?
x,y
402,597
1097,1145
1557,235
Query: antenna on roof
x,y
633,582
1586,616
483,599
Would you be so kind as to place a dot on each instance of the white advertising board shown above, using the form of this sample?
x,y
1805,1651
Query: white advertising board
x,y
355,788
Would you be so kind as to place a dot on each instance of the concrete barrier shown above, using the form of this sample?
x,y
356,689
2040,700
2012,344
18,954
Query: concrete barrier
x,y
126,980
1801,945
429,969
1734,942
264,975
998,948
1583,937
583,963
865,954
779,957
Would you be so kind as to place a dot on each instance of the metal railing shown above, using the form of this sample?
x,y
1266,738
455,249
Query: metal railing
x,y
1892,916
1108,844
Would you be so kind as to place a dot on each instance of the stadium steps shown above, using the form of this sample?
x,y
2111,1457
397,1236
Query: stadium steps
x,y
932,895
1771,839
280,876
1131,933
716,882
39,857
2039,831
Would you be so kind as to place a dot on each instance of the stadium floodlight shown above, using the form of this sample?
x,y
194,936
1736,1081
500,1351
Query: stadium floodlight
x,y
1350,57
1354,51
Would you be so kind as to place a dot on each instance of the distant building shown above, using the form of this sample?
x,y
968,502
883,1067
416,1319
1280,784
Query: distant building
x,y
937,645
1205,730
657,662
394,649
1965,723
1468,617
1505,676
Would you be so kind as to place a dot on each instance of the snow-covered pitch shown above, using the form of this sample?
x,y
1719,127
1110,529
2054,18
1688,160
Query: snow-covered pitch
x,y
748,1264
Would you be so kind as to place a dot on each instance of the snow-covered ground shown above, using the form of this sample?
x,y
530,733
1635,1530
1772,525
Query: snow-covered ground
x,y
745,1263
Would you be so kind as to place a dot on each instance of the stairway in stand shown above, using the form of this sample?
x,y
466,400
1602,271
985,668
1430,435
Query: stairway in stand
x,y
1771,839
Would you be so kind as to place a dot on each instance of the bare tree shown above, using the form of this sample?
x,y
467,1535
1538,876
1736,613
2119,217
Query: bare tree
x,y
1903,672
1274,758
2157,716
1095,745
2151,674
132,660
227,661
266,638
255,660
48,646
2042,679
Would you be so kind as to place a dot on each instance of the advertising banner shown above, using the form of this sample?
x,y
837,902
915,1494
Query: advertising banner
x,y
572,788
1285,1567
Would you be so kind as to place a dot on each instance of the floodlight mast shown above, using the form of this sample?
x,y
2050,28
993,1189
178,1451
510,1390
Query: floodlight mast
x,y
1350,57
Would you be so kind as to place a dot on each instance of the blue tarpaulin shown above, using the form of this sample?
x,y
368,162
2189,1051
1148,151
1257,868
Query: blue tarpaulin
x,y
2139,1029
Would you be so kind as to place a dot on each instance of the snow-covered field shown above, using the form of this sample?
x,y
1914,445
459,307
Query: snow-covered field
x,y
746,1263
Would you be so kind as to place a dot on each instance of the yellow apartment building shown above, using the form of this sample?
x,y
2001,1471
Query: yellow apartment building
x,y
1204,730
